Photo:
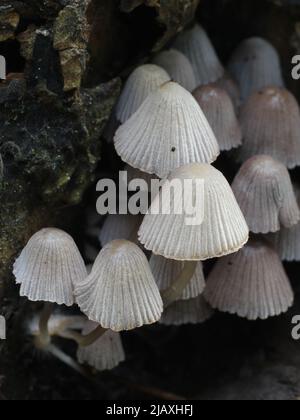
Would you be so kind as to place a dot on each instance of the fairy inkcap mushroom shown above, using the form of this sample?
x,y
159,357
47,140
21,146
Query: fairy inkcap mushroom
x,y
222,231
105,354
196,45
251,283
169,130
220,113
49,268
165,271
120,227
270,122
120,293
182,312
255,64
264,191
143,81
178,66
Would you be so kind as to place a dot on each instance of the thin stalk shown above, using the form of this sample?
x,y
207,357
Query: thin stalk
x,y
66,359
84,340
44,336
175,291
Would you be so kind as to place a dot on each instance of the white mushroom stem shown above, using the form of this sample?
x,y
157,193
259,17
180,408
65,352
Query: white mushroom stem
x,y
44,336
175,291
66,359
84,340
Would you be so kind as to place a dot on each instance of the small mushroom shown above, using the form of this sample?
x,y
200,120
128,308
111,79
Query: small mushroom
x,y
49,268
120,227
223,230
168,131
182,312
178,66
165,271
270,122
264,191
143,81
220,113
120,293
251,283
231,87
255,64
196,45
104,354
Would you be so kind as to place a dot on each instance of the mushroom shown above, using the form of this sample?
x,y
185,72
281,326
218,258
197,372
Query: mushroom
x,y
120,293
196,45
143,81
182,312
169,130
231,87
287,240
255,64
104,354
270,122
264,191
133,174
220,113
251,283
165,271
223,230
117,226
178,66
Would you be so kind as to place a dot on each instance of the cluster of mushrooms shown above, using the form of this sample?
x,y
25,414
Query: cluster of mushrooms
x,y
172,120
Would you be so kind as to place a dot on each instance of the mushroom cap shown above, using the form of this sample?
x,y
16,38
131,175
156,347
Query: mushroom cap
x,y
105,354
133,173
251,283
143,81
166,271
178,66
223,231
270,122
169,130
220,113
231,87
49,268
182,312
255,64
119,226
287,240
120,293
264,191
196,45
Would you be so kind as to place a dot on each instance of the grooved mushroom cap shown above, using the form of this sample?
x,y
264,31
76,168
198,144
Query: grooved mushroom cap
x,y
117,226
166,272
168,131
287,240
120,293
196,45
105,354
223,230
143,81
265,194
182,312
178,66
219,111
270,122
251,283
255,64
49,268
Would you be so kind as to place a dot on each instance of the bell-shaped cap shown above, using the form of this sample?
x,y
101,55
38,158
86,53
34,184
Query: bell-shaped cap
x,y
182,312
168,131
133,174
105,354
166,272
270,122
119,226
264,191
175,236
49,268
196,45
120,293
143,81
231,87
178,66
287,240
255,64
251,283
220,113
